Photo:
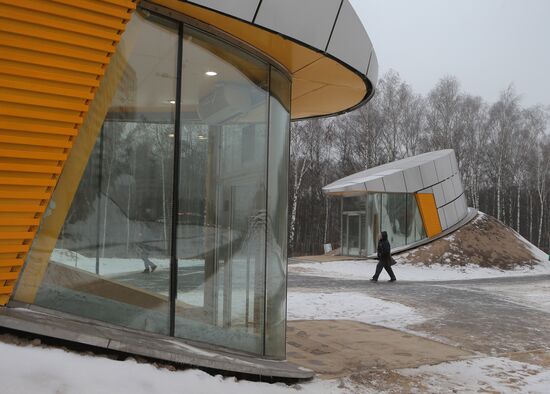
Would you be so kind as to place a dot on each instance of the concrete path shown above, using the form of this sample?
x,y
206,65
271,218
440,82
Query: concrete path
x,y
490,316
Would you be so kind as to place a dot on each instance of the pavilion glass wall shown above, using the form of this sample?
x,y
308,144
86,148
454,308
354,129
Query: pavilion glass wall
x,y
210,265
364,217
119,222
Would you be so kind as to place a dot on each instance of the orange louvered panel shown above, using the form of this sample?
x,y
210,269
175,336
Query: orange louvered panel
x,y
428,211
53,54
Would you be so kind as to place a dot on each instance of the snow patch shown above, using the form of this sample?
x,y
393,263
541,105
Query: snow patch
x,y
351,306
490,374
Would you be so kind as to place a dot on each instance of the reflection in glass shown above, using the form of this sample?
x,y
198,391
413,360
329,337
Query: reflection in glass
x,y
395,213
353,204
354,233
117,229
222,208
394,218
415,226
116,249
277,214
373,222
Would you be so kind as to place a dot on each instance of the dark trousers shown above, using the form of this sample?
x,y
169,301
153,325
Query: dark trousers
x,y
148,263
387,266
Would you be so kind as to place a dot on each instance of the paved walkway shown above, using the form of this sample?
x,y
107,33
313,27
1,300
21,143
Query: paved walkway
x,y
488,316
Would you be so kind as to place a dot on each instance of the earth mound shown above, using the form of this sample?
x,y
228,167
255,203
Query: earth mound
x,y
484,241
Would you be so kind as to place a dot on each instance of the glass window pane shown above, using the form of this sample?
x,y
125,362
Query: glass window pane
x,y
222,208
394,218
111,261
354,204
415,226
362,234
277,210
373,222
353,234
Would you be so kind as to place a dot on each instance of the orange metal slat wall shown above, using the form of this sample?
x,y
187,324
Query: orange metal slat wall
x,y
428,211
52,55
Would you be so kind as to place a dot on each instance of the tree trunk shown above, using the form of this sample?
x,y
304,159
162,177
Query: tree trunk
x,y
539,238
499,184
530,217
326,219
297,183
518,207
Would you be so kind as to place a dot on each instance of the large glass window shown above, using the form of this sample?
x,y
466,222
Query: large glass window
x,y
395,213
223,211
198,124
118,226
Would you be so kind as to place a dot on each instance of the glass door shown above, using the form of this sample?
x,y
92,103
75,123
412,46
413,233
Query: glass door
x,y
345,248
354,234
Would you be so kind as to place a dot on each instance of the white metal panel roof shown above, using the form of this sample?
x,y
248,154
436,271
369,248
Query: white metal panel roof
x,y
361,181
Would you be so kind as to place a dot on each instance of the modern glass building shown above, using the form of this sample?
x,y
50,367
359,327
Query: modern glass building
x,y
144,152
413,200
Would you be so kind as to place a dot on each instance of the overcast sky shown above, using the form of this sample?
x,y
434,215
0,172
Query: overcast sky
x,y
486,44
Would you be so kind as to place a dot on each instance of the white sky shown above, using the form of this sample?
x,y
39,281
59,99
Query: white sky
x,y
486,44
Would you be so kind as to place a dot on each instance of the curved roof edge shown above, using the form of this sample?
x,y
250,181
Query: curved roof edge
x,y
325,46
408,175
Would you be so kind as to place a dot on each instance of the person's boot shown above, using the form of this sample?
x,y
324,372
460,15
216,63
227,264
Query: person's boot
x,y
146,270
374,280
153,269
392,280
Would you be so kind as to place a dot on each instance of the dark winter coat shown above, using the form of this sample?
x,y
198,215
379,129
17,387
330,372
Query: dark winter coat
x,y
384,249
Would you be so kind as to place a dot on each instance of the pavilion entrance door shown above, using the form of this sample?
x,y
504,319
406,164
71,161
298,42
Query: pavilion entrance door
x,y
352,235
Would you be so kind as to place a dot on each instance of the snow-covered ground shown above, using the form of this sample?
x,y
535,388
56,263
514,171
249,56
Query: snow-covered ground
x,y
54,371
351,306
489,374
364,269
537,297
48,370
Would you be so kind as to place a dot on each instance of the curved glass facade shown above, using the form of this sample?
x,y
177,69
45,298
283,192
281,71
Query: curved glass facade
x,y
365,216
179,223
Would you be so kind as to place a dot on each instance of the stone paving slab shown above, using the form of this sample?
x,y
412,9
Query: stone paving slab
x,y
335,348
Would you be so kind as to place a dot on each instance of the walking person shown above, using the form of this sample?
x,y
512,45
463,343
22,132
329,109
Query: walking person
x,y
384,258
149,265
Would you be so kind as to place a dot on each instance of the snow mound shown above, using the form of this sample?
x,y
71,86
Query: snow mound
x,y
484,242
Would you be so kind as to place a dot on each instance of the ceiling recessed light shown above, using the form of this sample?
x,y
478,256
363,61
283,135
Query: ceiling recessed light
x,y
172,101
211,73
171,135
